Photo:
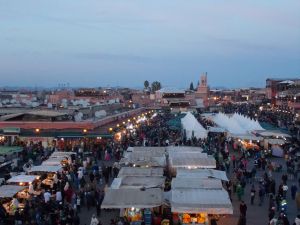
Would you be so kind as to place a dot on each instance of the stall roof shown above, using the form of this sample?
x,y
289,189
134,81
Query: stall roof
x,y
217,129
50,169
246,137
193,162
201,200
274,133
52,162
9,191
184,149
138,182
62,154
152,149
275,141
136,171
192,183
145,161
202,173
22,179
187,155
8,150
127,198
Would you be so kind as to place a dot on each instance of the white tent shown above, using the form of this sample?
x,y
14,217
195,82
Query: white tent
x,y
202,174
50,169
128,198
236,124
191,183
22,179
9,191
192,127
138,182
137,171
191,161
201,200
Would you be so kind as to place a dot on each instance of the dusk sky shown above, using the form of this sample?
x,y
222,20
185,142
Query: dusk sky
x,y
122,43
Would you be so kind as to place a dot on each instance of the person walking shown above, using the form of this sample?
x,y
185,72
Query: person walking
x,y
94,220
243,209
252,193
261,195
239,192
294,190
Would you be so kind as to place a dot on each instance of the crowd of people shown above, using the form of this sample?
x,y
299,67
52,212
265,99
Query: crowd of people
x,y
83,182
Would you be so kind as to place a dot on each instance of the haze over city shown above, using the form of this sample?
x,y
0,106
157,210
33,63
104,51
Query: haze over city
x,y
123,43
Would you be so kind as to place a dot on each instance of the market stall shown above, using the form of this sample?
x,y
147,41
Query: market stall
x,y
193,205
138,182
202,174
134,204
192,160
12,198
22,180
137,171
48,173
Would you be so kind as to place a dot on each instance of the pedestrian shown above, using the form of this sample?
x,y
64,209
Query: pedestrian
x,y
242,220
252,193
297,220
239,192
243,209
294,190
298,200
261,195
94,220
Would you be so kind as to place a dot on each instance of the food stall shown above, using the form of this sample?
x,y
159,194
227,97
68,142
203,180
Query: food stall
x,y
134,204
193,205
22,180
47,173
11,198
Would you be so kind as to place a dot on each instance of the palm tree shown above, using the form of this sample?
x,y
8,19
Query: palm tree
x,y
155,86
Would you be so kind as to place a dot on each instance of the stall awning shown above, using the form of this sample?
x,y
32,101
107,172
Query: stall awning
x,y
246,137
127,198
201,201
202,173
136,171
186,161
9,150
184,149
22,179
275,141
217,129
192,183
52,162
9,191
62,154
50,169
138,182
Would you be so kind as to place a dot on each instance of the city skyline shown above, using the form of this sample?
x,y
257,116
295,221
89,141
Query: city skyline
x,y
99,43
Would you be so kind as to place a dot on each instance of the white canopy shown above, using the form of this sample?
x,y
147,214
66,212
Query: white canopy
x,y
246,137
217,129
201,201
137,171
52,162
137,182
9,191
275,141
185,149
270,133
193,127
127,198
62,154
22,179
236,124
191,160
202,174
192,183
50,169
